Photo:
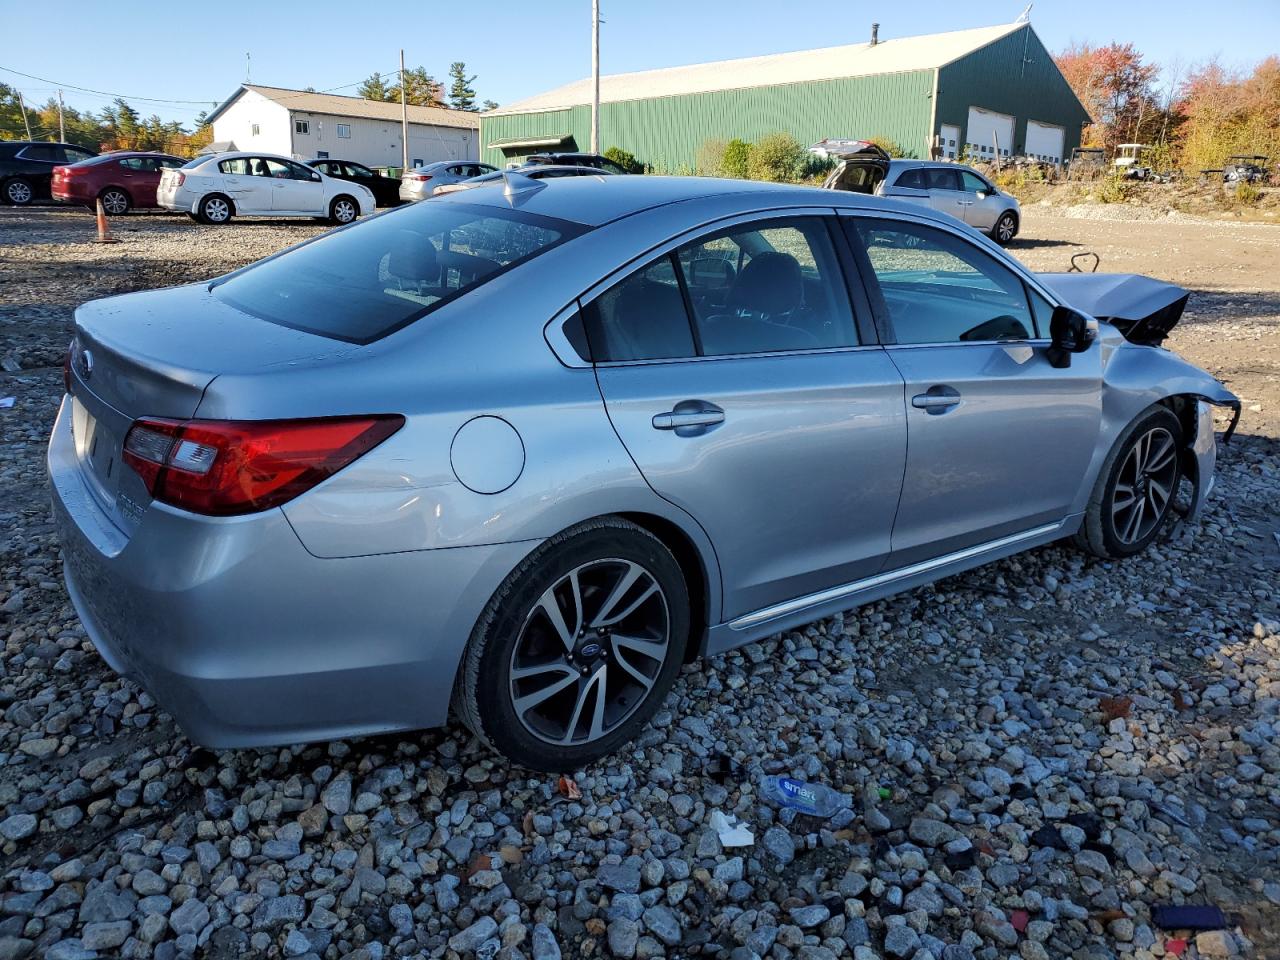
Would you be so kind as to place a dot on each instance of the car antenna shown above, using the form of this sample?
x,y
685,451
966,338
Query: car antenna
x,y
517,187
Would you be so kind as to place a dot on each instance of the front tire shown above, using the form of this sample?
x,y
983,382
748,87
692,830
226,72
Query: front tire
x,y
215,210
115,202
1136,487
578,647
1006,229
18,192
343,210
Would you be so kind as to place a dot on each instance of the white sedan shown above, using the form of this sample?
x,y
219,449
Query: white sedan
x,y
215,188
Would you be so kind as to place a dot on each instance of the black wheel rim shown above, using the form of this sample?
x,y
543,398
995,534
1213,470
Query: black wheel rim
x,y
1145,486
589,652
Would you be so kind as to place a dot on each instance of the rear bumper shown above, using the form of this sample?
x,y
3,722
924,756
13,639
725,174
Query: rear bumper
x,y
71,193
247,639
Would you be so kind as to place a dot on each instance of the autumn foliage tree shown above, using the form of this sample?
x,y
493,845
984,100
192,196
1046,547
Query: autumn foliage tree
x,y
1118,89
1229,113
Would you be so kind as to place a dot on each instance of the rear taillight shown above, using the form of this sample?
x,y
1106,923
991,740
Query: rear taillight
x,y
419,177
182,178
229,467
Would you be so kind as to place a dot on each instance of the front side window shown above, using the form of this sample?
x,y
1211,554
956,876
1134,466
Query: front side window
x,y
344,131
170,163
973,183
390,271
356,170
764,287
133,163
937,288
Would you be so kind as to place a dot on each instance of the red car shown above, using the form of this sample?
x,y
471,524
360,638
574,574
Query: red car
x,y
124,179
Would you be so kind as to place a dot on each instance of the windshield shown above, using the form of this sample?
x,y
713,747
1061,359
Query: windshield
x,y
362,283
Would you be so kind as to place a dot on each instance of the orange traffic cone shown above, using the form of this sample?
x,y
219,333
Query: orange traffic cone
x,y
104,232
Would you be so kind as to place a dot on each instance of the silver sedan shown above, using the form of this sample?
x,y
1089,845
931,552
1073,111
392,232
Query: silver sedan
x,y
422,182
525,450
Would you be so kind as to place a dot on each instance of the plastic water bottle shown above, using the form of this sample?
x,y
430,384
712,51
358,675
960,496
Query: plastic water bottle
x,y
813,799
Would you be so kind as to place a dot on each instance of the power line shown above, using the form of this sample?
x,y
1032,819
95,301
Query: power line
x,y
72,86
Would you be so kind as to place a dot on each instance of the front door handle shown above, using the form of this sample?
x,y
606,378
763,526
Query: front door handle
x,y
936,400
688,418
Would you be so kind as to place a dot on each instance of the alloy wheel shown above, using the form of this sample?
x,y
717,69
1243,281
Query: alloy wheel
x,y
1004,229
589,652
216,210
344,211
114,202
18,192
1144,486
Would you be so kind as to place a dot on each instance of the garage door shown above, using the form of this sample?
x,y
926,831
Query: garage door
x,y
1044,141
986,129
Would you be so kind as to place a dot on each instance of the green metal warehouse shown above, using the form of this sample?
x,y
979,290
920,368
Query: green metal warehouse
x,y
991,88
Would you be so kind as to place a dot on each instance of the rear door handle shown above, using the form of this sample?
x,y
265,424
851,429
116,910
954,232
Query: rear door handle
x,y
674,421
937,400
689,418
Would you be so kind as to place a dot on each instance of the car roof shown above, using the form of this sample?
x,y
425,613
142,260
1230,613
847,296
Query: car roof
x,y
237,154
596,200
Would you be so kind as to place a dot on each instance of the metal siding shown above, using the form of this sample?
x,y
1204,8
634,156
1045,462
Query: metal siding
x,y
666,132
1014,75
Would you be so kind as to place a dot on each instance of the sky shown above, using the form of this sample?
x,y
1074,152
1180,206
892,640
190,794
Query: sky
x,y
185,50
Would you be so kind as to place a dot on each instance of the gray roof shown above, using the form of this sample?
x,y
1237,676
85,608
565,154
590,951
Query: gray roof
x,y
828,63
331,104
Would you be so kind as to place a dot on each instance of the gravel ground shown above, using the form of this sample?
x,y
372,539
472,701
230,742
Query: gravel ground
x,y
1037,752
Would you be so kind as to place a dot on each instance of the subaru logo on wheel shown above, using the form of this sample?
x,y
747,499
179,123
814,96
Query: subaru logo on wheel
x,y
592,650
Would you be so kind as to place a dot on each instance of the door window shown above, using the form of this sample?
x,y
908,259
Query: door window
x,y
46,153
236,165
973,182
356,170
75,154
765,287
937,288
912,180
171,163
940,179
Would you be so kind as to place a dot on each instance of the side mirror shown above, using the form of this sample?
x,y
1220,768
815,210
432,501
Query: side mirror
x,y
1070,333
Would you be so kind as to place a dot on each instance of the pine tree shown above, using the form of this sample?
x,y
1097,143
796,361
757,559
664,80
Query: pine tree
x,y
374,88
462,96
490,105
420,89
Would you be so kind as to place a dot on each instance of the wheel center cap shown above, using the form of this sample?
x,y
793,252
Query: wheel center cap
x,y
590,650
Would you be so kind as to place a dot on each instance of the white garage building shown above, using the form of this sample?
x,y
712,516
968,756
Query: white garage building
x,y
306,125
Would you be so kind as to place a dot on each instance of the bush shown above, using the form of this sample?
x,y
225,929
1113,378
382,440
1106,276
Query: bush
x,y
892,147
776,158
736,159
1247,194
710,160
1115,189
625,159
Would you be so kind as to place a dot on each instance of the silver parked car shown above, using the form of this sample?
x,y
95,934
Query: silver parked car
x,y
547,172
422,182
946,187
526,450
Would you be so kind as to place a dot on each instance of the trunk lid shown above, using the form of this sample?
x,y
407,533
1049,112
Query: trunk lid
x,y
862,165
152,355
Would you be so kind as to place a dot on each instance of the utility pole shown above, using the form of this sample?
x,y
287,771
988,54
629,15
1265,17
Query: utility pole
x,y
595,76
22,105
404,119
62,126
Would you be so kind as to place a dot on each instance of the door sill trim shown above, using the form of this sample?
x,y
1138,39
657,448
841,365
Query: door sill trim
x,y
787,607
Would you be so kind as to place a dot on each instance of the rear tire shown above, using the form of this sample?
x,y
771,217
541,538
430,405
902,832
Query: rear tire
x,y
1136,487
343,210
599,614
115,202
215,209
18,192
1006,229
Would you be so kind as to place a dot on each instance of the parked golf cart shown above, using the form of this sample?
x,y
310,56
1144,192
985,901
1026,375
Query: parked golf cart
x,y
1245,168
1086,163
1132,163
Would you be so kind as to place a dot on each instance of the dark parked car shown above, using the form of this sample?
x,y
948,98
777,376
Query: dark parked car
x,y
385,190
574,160
26,167
123,180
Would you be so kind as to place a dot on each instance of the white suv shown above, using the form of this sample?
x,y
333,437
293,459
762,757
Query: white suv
x,y
216,188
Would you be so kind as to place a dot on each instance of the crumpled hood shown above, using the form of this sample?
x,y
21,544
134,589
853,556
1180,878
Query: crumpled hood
x,y
1142,308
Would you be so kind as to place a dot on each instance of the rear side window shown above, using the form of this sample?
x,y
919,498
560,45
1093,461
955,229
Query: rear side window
x,y
43,152
363,283
240,166
938,288
766,287
939,179
912,179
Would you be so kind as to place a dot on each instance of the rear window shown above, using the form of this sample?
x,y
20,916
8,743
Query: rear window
x,y
191,164
362,283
